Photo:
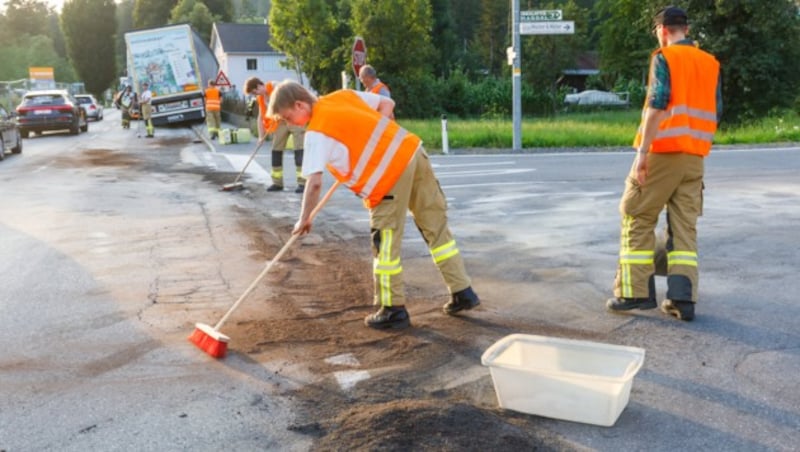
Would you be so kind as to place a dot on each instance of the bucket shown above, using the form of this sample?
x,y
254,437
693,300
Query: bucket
x,y
567,379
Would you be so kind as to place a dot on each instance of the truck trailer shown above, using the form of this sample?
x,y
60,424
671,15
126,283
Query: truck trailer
x,y
177,64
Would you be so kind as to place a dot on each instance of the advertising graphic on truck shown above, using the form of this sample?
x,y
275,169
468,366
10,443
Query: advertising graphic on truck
x,y
177,64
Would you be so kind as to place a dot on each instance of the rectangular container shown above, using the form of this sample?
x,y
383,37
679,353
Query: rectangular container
x,y
568,379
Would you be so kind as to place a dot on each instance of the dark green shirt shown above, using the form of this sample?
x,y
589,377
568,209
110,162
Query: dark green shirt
x,y
658,93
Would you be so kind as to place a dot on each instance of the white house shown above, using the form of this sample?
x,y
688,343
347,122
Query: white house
x,y
243,51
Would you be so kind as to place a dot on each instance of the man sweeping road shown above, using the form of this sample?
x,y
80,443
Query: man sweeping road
x,y
351,134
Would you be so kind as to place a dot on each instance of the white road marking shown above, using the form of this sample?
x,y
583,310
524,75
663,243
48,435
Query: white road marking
x,y
255,171
345,359
496,172
482,164
348,378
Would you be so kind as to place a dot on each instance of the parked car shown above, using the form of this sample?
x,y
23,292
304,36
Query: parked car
x,y
93,109
46,110
595,97
10,138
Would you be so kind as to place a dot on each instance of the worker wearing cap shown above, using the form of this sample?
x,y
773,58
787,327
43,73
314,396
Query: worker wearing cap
x,y
280,135
147,109
213,109
679,119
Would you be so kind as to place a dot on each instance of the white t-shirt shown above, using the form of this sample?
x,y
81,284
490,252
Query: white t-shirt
x,y
146,96
320,149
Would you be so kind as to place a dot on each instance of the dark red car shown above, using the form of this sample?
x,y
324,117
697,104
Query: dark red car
x,y
42,111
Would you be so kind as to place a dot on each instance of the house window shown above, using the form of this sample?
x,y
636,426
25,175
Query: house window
x,y
252,64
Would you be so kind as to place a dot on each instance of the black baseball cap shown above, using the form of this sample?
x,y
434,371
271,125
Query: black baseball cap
x,y
671,15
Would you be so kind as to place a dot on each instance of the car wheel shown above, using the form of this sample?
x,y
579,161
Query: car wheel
x,y
76,127
85,126
18,148
2,149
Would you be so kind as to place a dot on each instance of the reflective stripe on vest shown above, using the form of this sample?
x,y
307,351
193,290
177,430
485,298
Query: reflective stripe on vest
x,y
692,107
379,149
213,99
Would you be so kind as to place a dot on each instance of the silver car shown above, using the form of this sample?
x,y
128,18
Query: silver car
x,y
93,109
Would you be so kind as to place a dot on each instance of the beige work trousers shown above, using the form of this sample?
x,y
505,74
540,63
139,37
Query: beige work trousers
x,y
417,191
279,140
674,181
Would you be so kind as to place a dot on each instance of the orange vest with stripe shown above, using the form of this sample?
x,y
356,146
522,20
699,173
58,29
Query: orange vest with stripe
x,y
379,149
213,102
269,124
376,89
692,107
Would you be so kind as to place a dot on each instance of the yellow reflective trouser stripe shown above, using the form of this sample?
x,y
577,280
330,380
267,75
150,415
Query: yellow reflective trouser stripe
x,y
277,173
444,252
682,258
629,257
384,268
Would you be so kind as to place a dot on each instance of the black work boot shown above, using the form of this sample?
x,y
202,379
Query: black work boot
x,y
461,301
275,187
626,304
683,310
388,317
300,189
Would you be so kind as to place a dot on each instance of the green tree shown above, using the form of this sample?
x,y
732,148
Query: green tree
x,y
493,35
35,51
26,17
152,13
444,37
308,33
757,44
124,24
222,9
195,13
93,59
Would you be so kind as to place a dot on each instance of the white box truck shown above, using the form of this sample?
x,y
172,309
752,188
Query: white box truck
x,y
177,64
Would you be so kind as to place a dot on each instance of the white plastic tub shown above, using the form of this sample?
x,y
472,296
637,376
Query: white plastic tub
x,y
566,379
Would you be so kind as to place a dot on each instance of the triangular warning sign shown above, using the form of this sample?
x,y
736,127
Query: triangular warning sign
x,y
222,80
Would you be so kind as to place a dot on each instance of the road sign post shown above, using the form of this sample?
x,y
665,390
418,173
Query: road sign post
x,y
537,22
359,57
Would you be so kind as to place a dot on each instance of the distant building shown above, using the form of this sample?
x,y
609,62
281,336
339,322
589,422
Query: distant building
x,y
585,65
243,51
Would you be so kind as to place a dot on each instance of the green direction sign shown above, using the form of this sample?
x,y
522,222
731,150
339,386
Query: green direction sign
x,y
540,15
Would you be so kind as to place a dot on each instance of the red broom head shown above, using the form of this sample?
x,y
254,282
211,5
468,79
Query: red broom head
x,y
209,340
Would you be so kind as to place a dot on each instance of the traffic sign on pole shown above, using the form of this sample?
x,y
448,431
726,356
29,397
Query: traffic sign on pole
x,y
359,55
560,27
540,15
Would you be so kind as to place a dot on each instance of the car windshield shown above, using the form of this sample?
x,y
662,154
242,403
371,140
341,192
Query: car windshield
x,y
43,99
84,100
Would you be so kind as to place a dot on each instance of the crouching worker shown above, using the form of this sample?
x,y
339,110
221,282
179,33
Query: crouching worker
x,y
351,135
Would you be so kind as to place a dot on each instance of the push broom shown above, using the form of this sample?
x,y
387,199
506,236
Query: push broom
x,y
208,338
236,185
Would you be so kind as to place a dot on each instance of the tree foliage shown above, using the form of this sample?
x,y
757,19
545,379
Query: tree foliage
x,y
152,13
308,33
93,59
197,14
757,44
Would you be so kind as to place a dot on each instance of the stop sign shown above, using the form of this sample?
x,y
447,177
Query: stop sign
x,y
359,55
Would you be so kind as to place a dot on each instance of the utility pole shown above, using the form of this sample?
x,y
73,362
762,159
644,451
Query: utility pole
x,y
516,77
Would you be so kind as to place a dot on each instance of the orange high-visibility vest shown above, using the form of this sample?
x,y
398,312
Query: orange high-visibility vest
x,y
379,149
692,107
376,89
213,102
269,124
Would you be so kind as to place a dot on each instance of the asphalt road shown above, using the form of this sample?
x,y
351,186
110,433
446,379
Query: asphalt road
x,y
91,363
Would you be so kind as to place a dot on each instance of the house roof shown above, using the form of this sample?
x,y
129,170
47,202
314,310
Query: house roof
x,y
243,38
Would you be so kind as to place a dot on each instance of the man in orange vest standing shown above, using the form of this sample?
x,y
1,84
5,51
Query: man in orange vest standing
x,y
371,82
351,134
280,131
213,109
679,119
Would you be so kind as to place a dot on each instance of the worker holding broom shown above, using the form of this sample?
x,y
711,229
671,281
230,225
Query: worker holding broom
x,y
280,130
352,135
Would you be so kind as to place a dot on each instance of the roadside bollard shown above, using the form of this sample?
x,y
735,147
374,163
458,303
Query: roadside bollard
x,y
445,144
